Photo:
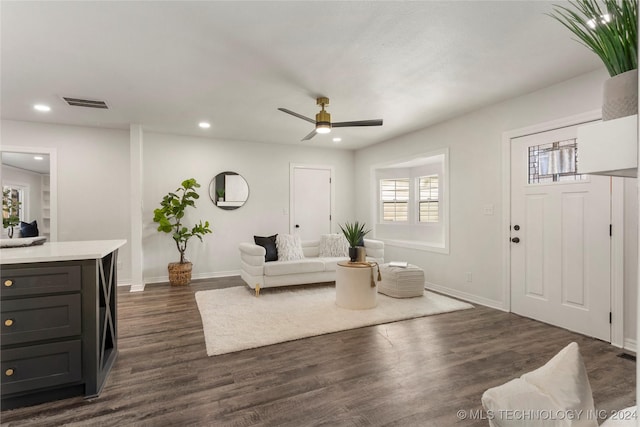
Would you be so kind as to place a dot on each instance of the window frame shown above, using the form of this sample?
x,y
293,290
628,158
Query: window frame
x,y
420,200
423,236
381,202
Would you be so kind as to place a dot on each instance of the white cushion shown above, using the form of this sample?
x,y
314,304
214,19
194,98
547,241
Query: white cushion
x,y
333,245
289,247
331,263
280,268
560,387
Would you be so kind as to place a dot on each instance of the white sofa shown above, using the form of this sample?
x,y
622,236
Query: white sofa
x,y
312,269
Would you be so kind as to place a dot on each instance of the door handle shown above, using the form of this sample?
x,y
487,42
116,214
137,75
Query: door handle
x,y
297,226
516,240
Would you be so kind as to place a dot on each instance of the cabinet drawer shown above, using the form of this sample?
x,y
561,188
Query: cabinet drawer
x,y
39,366
40,318
40,280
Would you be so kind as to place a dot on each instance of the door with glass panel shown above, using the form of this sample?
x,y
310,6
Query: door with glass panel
x,y
560,237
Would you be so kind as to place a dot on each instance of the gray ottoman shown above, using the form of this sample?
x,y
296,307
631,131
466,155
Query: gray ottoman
x,y
399,282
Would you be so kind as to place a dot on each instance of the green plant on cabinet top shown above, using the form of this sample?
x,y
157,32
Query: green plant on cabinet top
x,y
611,31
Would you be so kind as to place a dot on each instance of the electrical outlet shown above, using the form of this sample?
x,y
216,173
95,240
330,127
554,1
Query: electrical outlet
x,y
469,276
487,209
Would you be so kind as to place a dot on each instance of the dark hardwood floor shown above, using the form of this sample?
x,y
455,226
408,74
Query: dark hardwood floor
x,y
418,372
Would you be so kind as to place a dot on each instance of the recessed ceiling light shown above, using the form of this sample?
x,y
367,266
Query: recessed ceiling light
x,y
337,139
42,107
38,158
204,125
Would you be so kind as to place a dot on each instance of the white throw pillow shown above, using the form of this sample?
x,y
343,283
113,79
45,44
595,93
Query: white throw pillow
x,y
557,394
289,247
333,245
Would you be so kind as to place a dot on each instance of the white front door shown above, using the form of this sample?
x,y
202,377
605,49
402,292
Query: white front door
x,y
560,236
311,202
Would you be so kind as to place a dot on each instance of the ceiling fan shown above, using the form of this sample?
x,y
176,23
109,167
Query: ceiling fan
x,y
323,120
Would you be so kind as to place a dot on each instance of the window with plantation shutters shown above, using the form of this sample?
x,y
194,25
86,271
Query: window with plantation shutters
x,y
428,203
411,201
394,196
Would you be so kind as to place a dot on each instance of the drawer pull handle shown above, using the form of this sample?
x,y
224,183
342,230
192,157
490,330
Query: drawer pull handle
x,y
8,372
8,322
8,283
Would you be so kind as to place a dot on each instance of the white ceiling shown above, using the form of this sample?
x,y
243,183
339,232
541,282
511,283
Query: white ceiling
x,y
169,65
26,161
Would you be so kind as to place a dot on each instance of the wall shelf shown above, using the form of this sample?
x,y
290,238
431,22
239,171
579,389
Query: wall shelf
x,y
609,147
45,227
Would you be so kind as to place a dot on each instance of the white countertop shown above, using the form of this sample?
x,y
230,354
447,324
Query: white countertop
x,y
60,251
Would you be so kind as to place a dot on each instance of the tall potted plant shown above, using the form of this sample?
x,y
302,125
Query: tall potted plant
x,y
10,208
611,32
354,233
169,218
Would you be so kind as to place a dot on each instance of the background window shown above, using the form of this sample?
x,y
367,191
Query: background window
x,y
394,195
428,204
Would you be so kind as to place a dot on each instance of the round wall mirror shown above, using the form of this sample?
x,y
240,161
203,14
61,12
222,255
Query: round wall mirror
x,y
228,190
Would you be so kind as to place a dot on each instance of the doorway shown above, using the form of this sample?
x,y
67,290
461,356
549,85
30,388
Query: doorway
x,y
560,243
311,195
43,204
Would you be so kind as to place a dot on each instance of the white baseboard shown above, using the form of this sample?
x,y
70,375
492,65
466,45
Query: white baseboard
x,y
498,305
210,275
630,344
134,288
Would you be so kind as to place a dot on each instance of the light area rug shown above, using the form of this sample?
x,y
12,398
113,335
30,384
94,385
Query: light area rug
x,y
234,319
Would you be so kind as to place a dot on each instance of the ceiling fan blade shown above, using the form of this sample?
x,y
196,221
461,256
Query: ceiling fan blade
x,y
377,122
311,135
300,116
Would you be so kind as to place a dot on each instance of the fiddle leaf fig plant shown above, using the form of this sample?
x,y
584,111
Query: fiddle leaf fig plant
x,y
10,208
170,214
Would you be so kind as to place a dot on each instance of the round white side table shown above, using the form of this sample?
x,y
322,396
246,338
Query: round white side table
x,y
353,286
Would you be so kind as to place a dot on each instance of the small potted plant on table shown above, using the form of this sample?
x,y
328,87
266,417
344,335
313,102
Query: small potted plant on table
x,y
354,233
169,217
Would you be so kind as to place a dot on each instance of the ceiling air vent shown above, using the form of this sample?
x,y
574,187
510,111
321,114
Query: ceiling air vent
x,y
77,102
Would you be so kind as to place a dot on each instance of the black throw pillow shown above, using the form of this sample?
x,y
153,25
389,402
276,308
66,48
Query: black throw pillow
x,y
29,229
269,243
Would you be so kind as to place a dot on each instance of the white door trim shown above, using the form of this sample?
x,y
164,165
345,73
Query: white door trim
x,y
617,242
331,169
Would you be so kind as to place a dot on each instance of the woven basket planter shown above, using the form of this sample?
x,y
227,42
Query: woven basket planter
x,y
180,274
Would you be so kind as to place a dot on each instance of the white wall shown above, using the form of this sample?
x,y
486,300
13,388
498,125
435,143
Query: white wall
x,y
33,181
93,180
474,141
170,159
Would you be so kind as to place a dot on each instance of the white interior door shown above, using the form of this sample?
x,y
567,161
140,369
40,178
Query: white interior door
x,y
311,202
560,249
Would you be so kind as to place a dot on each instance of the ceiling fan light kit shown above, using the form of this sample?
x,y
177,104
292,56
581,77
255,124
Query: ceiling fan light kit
x,y
323,120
